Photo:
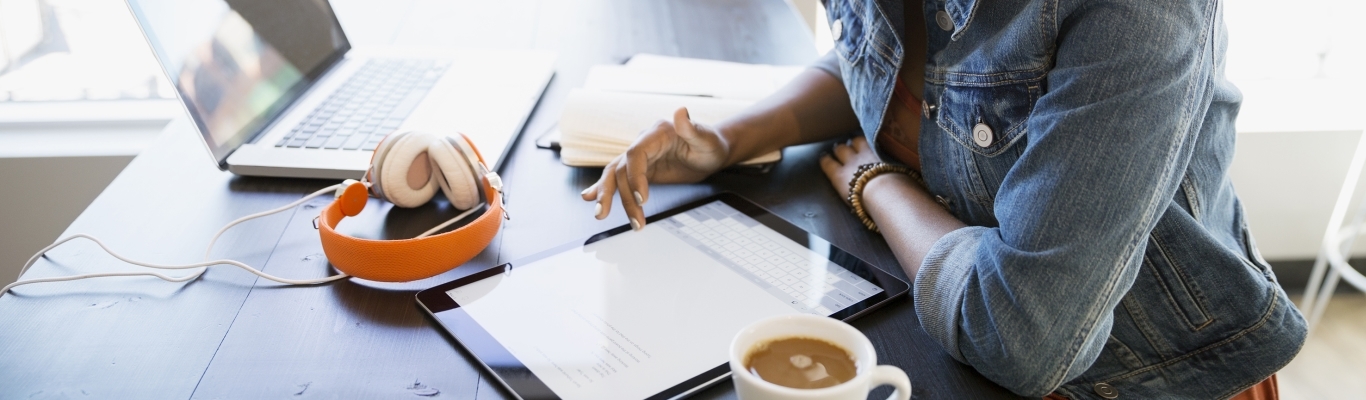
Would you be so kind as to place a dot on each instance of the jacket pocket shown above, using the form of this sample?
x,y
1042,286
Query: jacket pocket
x,y
1176,284
1116,352
1002,110
1254,256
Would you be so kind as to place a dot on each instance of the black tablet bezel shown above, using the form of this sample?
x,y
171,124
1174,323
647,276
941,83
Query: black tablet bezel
x,y
518,379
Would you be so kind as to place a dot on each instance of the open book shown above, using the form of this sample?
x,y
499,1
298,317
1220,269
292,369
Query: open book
x,y
618,102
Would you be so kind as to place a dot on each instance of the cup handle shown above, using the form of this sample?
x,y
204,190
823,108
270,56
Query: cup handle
x,y
890,375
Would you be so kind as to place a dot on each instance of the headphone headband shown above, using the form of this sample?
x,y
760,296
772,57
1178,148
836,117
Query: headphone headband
x,y
403,260
378,260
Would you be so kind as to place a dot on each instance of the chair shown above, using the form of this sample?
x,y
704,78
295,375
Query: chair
x,y
1331,265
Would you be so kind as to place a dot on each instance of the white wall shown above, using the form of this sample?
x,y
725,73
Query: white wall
x,y
56,158
42,196
1288,183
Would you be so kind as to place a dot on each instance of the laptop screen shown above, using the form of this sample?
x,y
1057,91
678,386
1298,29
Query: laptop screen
x,y
237,64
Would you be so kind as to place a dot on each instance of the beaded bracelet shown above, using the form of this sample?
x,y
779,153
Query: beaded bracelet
x,y
865,173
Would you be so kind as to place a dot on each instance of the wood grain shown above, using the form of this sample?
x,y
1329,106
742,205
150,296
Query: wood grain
x,y
231,335
139,337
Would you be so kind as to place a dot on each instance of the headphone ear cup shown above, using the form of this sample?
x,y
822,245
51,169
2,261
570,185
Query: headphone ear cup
x,y
458,180
405,171
377,164
352,199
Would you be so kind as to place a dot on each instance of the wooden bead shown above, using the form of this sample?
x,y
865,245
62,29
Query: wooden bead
x,y
865,173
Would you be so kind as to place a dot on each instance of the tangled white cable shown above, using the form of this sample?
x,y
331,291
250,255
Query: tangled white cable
x,y
204,265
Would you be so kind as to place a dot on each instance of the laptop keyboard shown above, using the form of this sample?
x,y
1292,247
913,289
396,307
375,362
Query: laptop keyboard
x,y
370,105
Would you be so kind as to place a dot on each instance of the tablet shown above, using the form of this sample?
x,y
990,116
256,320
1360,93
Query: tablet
x,y
650,314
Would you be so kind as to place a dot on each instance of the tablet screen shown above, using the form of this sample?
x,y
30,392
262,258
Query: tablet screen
x,y
633,314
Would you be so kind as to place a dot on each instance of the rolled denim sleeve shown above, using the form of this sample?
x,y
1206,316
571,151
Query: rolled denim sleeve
x,y
1030,303
941,281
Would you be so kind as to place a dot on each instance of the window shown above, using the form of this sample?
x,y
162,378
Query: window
x,y
77,78
70,50
1299,65
1310,39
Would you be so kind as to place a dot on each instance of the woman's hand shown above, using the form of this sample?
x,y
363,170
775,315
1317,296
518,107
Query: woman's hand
x,y
677,152
843,161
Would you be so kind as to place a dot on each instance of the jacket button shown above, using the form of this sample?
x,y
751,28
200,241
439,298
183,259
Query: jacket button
x,y
927,109
1104,390
837,29
981,134
942,18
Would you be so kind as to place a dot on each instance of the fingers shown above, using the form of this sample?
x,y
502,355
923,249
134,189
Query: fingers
x,y
618,177
834,172
829,165
683,125
628,174
606,186
843,153
634,212
637,176
855,150
861,144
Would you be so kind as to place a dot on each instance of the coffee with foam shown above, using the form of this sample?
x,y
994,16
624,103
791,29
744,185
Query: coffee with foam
x,y
801,363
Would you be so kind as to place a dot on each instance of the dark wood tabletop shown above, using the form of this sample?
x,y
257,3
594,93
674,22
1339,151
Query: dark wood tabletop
x,y
231,335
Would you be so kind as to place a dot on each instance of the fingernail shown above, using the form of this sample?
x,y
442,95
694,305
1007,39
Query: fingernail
x,y
635,224
585,191
639,200
597,211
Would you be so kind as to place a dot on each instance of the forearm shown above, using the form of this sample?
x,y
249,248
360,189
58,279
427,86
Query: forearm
x,y
909,218
814,106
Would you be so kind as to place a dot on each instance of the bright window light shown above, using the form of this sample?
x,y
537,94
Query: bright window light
x,y
65,50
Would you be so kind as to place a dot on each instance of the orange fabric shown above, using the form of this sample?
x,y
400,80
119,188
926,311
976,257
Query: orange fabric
x,y
1267,390
904,144
353,200
406,260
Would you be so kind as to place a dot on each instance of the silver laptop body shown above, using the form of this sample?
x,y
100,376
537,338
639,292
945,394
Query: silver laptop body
x,y
275,89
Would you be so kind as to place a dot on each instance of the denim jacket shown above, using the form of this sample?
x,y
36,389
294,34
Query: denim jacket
x,y
1087,144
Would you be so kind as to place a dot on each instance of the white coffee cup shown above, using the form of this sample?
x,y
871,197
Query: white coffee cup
x,y
870,375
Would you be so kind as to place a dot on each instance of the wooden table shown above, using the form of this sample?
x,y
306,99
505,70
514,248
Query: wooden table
x,y
231,335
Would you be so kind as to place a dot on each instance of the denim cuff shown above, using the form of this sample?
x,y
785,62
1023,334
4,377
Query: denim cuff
x,y
940,282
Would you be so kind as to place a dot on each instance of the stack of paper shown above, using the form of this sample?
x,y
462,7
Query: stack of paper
x,y
618,102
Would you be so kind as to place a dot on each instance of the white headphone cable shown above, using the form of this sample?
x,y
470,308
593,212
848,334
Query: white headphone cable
x,y
283,208
204,264
448,222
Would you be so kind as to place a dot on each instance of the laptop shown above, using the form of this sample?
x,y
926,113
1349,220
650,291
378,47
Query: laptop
x,y
275,89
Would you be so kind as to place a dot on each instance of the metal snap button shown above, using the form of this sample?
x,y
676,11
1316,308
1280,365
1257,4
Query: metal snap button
x,y
927,109
982,135
1104,390
943,19
837,29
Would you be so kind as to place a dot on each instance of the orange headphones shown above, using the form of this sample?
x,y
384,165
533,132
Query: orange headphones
x,y
407,169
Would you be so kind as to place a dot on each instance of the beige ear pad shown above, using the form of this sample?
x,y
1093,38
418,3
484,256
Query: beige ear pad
x,y
458,180
377,162
406,171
